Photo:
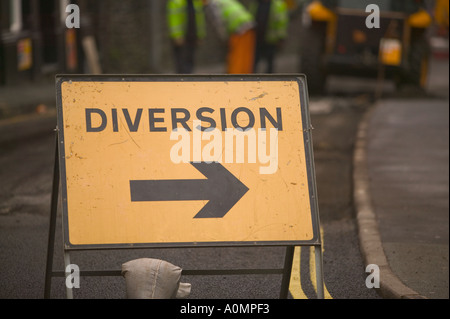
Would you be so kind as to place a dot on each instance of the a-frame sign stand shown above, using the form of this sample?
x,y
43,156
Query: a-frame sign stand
x,y
50,272
62,161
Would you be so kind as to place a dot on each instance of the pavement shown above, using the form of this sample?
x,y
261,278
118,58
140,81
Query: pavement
x,y
401,186
401,191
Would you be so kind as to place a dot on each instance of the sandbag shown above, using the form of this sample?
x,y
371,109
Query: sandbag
x,y
148,278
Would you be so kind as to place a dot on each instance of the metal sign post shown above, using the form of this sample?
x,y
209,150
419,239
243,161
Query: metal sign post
x,y
185,161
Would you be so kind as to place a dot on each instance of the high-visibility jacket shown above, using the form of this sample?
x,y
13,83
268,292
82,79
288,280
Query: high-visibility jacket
x,y
177,18
233,15
278,21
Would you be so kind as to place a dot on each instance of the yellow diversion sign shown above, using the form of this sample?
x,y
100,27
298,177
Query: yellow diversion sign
x,y
182,161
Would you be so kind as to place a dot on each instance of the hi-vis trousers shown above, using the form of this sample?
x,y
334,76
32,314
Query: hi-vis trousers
x,y
241,53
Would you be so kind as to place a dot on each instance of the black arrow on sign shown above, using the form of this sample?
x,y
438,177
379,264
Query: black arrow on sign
x,y
220,187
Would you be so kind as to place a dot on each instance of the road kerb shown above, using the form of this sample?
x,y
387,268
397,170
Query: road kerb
x,y
391,287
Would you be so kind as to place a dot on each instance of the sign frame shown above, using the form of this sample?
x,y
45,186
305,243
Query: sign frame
x,y
60,178
307,136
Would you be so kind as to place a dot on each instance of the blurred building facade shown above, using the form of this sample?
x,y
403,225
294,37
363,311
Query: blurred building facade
x,y
127,36
34,40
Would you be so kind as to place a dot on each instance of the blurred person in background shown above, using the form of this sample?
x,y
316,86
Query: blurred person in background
x,y
271,17
235,24
186,22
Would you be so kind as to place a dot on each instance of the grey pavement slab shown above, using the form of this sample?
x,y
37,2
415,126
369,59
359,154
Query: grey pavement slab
x,y
408,164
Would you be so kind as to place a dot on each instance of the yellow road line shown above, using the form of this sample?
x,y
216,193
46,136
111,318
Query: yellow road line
x,y
312,273
295,286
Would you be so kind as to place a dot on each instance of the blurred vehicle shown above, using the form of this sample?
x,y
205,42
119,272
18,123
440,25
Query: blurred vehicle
x,y
441,16
336,40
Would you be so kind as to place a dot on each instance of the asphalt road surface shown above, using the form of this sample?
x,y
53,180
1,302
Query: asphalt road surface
x,y
26,168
